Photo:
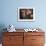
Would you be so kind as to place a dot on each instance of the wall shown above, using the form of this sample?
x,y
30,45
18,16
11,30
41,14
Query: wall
x,y
9,13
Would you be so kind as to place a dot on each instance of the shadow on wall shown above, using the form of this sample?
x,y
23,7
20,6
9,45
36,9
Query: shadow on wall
x,y
2,26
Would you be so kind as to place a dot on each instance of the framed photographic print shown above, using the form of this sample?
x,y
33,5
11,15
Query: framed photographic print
x,y
26,14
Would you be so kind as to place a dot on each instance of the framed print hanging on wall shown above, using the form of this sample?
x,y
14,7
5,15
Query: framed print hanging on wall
x,y
26,14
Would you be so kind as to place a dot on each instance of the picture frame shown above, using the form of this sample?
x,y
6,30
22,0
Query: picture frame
x,y
26,14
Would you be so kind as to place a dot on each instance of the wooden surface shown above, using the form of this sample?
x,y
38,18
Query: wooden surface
x,y
34,39
23,38
12,39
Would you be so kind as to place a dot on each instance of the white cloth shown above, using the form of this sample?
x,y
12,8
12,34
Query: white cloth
x,y
11,28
